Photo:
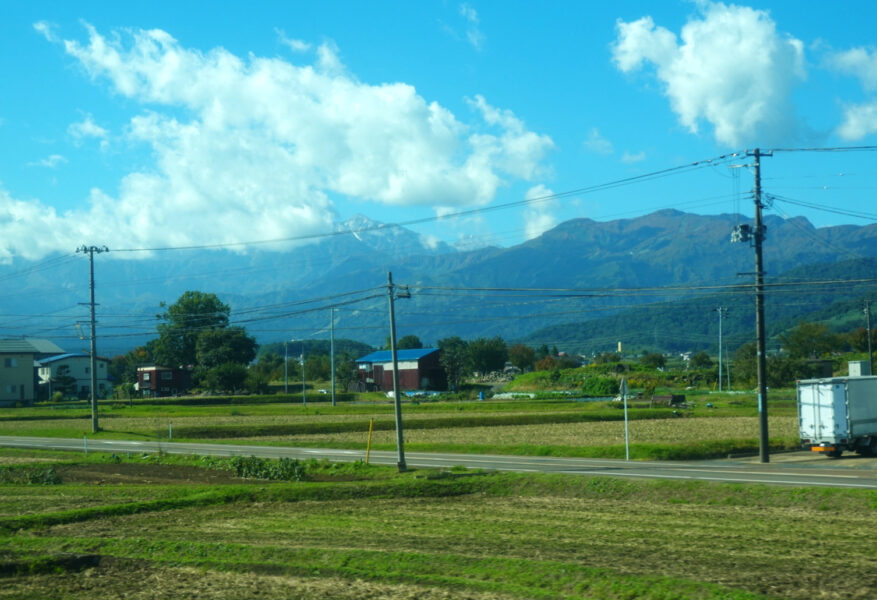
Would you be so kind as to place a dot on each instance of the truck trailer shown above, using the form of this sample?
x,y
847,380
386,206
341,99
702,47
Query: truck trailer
x,y
838,414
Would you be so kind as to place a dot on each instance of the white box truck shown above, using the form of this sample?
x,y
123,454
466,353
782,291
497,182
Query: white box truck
x,y
838,414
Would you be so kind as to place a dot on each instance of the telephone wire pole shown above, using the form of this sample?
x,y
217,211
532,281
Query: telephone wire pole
x,y
91,250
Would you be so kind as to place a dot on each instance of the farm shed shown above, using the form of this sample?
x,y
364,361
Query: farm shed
x,y
419,369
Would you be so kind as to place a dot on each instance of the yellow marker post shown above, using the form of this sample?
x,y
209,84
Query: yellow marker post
x,y
368,446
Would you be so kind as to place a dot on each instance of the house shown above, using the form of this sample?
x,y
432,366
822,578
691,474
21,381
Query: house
x,y
17,373
154,381
419,369
71,374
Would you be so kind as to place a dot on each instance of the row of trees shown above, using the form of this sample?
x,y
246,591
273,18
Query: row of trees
x,y
194,333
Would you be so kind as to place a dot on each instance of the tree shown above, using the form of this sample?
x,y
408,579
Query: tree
x,y
64,382
701,360
124,366
409,342
858,339
268,368
215,347
653,360
345,370
809,340
226,377
522,356
454,357
182,323
607,357
488,354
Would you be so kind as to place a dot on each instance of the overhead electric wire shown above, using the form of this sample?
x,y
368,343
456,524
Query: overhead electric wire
x,y
480,210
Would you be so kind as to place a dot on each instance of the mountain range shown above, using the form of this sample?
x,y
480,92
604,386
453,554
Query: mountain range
x,y
469,293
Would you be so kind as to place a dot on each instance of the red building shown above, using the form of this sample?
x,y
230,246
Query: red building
x,y
419,369
156,382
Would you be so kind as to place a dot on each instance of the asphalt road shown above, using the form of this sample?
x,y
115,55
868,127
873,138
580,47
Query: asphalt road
x,y
801,468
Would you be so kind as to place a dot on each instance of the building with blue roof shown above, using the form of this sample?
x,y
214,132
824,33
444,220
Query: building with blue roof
x,y
419,369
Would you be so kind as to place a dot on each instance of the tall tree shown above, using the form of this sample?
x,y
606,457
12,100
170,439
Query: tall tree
x,y
454,357
522,356
809,340
409,342
182,323
488,354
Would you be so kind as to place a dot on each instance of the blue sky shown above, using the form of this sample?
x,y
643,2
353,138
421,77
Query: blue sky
x,y
170,124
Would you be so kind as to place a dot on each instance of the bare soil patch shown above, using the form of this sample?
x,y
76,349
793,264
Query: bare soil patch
x,y
112,473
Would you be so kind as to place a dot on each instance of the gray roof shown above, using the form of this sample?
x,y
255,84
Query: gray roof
x,y
29,346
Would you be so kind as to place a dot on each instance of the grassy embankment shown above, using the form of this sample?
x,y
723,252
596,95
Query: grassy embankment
x,y
354,531
545,427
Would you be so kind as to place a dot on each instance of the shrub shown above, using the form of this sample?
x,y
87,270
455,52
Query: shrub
x,y
253,467
600,386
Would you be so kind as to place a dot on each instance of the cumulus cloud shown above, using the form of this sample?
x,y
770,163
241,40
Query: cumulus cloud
x,y
539,217
859,120
858,62
597,143
256,148
729,67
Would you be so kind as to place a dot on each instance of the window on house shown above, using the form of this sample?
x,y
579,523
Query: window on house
x,y
10,362
11,389
166,375
147,376
87,370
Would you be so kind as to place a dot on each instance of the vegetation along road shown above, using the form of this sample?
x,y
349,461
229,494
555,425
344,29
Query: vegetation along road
x,y
797,471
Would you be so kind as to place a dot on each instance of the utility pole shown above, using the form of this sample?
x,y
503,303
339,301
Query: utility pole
x,y
91,250
285,367
392,294
756,235
332,350
867,312
721,310
304,400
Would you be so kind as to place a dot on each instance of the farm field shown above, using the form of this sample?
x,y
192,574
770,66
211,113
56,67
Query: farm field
x,y
712,426
163,527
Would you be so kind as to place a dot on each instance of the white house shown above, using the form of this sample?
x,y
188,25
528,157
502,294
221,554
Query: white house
x,y
74,372
17,380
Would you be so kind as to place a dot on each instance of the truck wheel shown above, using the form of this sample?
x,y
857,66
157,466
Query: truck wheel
x,y
871,448
834,453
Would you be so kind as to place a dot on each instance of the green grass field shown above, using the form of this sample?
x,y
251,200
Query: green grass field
x,y
157,526
169,527
713,425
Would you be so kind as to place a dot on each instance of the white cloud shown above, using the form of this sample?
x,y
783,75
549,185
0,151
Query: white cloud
x,y
255,148
858,62
730,67
50,161
292,44
473,32
538,217
628,158
597,143
87,128
46,30
859,120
